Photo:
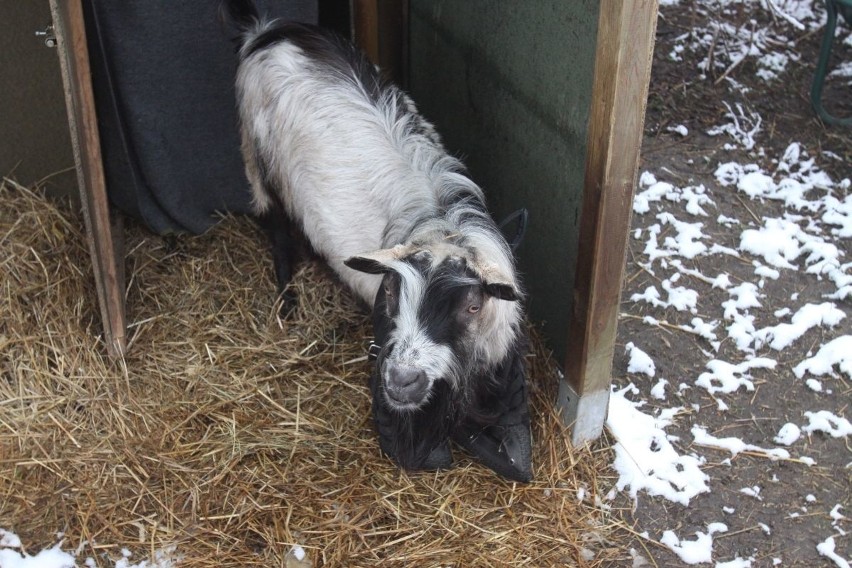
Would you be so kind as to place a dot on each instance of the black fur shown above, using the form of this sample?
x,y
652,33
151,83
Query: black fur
x,y
502,440
277,226
331,51
446,291
243,13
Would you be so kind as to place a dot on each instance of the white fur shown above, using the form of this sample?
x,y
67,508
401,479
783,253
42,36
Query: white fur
x,y
357,178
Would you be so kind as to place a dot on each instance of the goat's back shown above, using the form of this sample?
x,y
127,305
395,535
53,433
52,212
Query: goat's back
x,y
344,151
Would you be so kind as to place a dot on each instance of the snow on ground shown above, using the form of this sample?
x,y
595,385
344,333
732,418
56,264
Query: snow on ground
x,y
645,457
807,237
12,556
727,45
640,362
788,434
837,352
694,551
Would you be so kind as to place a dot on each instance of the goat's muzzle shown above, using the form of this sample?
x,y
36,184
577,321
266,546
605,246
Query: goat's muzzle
x,y
406,387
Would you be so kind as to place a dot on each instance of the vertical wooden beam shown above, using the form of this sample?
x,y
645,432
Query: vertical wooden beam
x,y
620,89
380,29
80,102
393,39
365,27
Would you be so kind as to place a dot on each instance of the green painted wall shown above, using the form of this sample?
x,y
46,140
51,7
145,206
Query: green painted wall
x,y
508,84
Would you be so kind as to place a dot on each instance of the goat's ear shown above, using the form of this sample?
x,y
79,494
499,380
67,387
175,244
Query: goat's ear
x,y
376,262
495,282
365,264
502,291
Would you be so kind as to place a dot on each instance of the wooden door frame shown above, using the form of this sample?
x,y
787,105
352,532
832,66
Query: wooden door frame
x,y
622,73
624,51
104,233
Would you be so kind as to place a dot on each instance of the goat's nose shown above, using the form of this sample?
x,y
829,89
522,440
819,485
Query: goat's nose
x,y
403,376
405,385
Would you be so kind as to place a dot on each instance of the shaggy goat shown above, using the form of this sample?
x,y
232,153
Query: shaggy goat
x,y
332,146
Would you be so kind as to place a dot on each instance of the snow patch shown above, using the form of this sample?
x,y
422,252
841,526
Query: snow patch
x,y
727,378
775,242
645,458
55,557
828,422
640,362
694,551
781,336
743,125
826,548
658,391
788,434
838,352
753,491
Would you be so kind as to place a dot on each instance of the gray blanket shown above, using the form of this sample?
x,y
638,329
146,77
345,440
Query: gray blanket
x,y
163,74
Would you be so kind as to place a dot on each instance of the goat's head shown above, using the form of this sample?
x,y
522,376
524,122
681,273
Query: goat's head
x,y
452,316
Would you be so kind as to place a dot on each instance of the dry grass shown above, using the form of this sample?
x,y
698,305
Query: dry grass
x,y
232,434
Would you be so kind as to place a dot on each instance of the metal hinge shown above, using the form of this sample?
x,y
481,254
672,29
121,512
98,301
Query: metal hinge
x,y
48,35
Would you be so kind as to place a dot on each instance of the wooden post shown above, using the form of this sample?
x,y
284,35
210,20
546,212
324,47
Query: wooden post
x,y
104,239
365,27
380,29
620,89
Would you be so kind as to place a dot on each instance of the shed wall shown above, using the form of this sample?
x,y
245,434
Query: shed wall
x,y
508,85
35,142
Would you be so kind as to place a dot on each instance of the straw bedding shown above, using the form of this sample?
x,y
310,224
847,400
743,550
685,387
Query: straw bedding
x,y
232,434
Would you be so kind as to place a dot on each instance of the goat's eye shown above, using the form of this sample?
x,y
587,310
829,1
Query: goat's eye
x,y
473,308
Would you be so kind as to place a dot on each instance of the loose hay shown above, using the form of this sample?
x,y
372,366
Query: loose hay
x,y
234,434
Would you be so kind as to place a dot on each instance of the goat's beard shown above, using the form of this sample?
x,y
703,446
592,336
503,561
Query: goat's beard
x,y
415,439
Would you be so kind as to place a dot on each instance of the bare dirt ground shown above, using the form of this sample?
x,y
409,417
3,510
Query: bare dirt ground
x,y
792,523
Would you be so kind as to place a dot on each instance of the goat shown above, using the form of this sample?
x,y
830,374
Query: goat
x,y
333,147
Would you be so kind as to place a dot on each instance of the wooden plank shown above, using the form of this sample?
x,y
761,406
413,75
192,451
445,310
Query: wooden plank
x,y
620,89
380,29
365,27
80,103
393,39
